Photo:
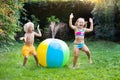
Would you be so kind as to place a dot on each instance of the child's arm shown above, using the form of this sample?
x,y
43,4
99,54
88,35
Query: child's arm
x,y
91,26
70,21
23,38
39,34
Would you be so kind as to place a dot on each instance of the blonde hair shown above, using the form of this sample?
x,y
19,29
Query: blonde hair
x,y
27,25
85,25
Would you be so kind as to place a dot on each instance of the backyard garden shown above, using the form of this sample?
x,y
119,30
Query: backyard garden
x,y
103,42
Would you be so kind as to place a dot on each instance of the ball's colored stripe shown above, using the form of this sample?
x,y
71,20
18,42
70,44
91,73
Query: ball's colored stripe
x,y
65,51
42,52
55,50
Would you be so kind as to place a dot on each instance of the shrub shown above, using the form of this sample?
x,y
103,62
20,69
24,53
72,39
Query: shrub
x,y
9,24
104,15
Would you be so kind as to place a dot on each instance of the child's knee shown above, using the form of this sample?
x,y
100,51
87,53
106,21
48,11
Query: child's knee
x,y
34,54
75,54
87,51
25,57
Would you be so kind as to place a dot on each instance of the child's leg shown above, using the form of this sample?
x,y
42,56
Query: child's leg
x,y
25,60
87,51
36,59
76,52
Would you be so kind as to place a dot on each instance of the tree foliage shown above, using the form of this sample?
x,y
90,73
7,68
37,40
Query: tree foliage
x,y
9,15
117,20
104,16
61,10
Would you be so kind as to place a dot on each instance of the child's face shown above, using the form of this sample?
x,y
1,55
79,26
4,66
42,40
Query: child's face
x,y
80,22
31,29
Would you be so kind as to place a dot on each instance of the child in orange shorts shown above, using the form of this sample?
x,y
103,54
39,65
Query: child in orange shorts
x,y
28,48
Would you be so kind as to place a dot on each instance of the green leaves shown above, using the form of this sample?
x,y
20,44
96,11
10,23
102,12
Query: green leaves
x,y
118,5
9,15
104,17
53,19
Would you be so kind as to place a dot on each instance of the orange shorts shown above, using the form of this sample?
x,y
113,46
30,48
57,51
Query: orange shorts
x,y
28,50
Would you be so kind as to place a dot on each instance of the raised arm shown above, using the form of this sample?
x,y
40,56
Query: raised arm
x,y
39,34
70,21
91,26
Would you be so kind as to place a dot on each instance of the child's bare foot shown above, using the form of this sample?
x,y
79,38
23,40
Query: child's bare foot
x,y
74,67
90,61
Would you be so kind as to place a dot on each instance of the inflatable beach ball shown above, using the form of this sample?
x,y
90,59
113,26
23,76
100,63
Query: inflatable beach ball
x,y
53,53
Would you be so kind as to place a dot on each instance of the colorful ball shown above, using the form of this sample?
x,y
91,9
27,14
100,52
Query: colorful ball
x,y
53,53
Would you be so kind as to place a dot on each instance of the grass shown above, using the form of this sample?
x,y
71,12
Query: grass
x,y
106,64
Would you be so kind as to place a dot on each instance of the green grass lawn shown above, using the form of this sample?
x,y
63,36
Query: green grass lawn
x,y
106,64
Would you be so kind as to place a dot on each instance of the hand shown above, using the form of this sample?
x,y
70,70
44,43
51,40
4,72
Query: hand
x,y
21,38
38,27
90,20
71,16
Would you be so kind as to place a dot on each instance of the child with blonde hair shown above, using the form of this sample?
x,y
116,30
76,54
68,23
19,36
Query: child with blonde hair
x,y
80,30
28,47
